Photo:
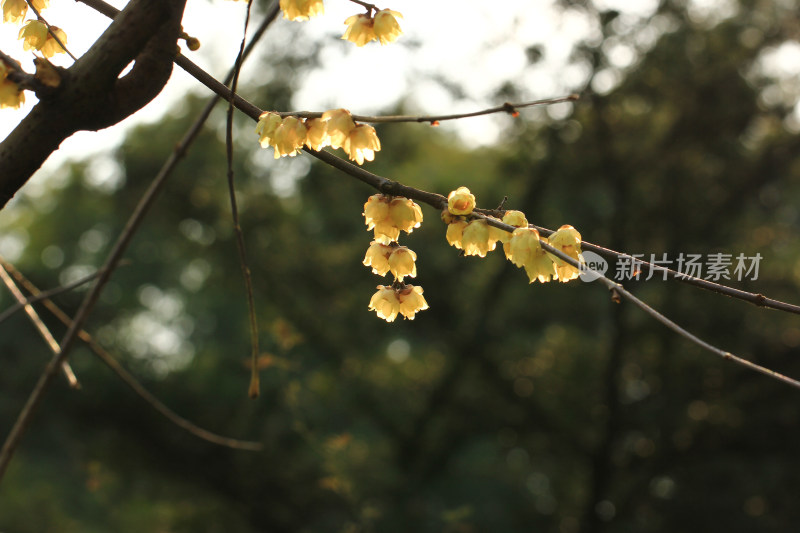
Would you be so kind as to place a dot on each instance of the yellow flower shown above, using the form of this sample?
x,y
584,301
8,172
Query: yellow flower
x,y
460,201
301,9
376,216
411,301
401,263
516,219
568,240
525,250
455,232
496,234
265,129
15,10
385,303
385,25
289,137
378,258
362,143
340,124
317,135
51,46
405,214
34,34
10,95
476,239
359,30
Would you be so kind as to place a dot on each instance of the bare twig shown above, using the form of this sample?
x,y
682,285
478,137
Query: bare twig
x,y
253,389
46,294
508,107
127,377
45,333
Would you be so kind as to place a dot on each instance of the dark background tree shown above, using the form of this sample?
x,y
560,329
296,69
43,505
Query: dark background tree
x,y
504,407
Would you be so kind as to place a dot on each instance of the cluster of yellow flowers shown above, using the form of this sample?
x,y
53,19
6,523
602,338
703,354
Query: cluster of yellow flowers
x,y
35,36
335,128
387,216
522,247
361,29
34,32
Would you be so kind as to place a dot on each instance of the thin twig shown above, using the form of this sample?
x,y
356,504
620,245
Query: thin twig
x,y
254,388
40,326
50,30
126,376
508,107
26,414
46,294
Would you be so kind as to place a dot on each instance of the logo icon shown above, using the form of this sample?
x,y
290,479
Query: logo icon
x,y
593,263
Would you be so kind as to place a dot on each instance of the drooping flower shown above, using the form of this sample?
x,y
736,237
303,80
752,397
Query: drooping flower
x,y
525,250
401,263
340,124
362,143
455,232
567,240
411,301
385,25
301,9
378,258
385,303
51,46
317,134
268,122
34,35
289,137
460,201
10,94
475,240
405,214
14,10
359,29
516,219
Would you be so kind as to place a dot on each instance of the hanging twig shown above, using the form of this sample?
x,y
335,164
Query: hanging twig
x,y
40,326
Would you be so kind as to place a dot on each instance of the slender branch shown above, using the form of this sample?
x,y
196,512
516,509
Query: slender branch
x,y
126,376
25,416
45,294
43,331
253,389
369,7
508,107
50,30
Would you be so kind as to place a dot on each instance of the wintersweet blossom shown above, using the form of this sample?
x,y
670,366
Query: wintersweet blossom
x,y
401,263
34,35
317,134
385,25
411,301
385,303
14,10
289,137
10,94
475,240
378,258
460,201
362,143
567,240
455,232
359,29
51,46
268,122
340,124
405,214
301,9
525,250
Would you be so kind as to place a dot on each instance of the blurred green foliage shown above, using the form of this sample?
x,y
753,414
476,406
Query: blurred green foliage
x,y
504,407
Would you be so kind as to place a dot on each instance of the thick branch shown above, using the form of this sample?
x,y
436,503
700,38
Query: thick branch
x,y
91,96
